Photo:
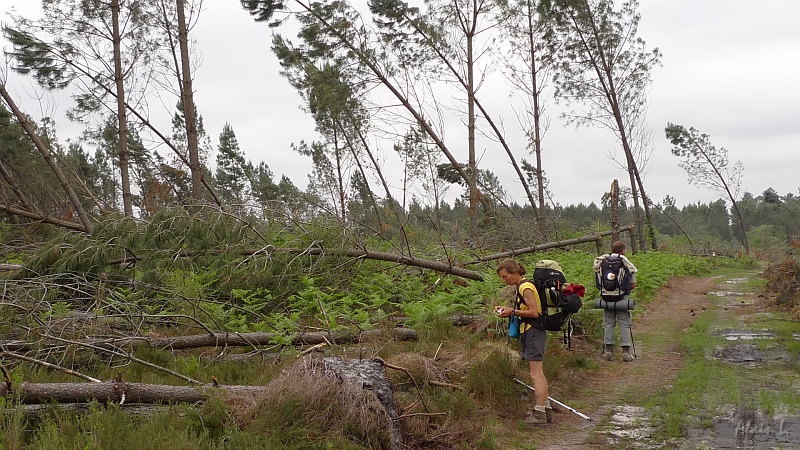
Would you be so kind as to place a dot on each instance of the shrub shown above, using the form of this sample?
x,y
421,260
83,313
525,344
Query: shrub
x,y
784,280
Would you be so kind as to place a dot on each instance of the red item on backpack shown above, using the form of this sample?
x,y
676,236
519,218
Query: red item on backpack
x,y
573,288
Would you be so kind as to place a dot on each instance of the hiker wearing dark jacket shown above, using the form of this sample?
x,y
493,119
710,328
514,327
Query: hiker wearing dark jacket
x,y
612,317
534,340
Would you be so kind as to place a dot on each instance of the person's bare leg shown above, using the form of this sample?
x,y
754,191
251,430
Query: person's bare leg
x,y
539,382
540,413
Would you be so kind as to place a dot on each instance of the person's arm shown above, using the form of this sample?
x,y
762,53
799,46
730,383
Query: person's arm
x,y
530,297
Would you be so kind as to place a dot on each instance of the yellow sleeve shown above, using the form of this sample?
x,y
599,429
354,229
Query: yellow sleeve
x,y
529,285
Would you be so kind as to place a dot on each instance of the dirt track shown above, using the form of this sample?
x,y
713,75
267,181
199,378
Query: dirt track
x,y
609,397
673,309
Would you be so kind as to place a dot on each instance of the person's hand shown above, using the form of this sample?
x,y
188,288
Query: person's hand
x,y
633,286
502,311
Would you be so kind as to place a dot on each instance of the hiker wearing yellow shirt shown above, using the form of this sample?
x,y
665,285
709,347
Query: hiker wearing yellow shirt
x,y
533,339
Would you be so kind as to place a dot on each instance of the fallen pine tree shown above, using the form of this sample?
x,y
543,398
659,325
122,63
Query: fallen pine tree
x,y
226,339
116,391
233,339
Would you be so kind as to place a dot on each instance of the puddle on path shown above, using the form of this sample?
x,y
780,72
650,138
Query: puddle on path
x,y
726,293
750,354
732,298
742,352
746,335
745,428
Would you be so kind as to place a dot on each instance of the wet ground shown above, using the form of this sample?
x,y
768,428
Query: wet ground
x,y
752,347
745,427
629,427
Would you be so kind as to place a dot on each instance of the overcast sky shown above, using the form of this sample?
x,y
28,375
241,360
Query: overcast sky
x,y
730,68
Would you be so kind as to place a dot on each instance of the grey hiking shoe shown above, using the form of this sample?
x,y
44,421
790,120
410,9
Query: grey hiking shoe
x,y
548,413
607,356
536,417
626,357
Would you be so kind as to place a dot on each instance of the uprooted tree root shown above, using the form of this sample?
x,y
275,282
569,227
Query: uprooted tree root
x,y
305,400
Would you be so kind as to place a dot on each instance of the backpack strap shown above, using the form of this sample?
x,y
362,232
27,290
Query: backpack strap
x,y
520,300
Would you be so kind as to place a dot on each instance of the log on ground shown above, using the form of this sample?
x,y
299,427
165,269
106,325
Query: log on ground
x,y
117,392
226,339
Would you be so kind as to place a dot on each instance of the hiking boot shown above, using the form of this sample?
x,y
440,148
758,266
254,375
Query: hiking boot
x,y
548,413
626,357
608,356
537,417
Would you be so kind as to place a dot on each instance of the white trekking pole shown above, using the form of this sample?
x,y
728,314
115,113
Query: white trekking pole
x,y
578,413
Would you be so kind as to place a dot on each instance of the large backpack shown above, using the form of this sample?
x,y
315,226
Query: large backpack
x,y
613,279
557,307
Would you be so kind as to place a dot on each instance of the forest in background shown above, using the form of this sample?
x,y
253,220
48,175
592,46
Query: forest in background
x,y
374,79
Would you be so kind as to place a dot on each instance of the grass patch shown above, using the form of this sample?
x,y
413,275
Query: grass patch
x,y
108,426
490,380
700,387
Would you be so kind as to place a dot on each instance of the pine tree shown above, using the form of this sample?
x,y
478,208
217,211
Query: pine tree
x,y
233,170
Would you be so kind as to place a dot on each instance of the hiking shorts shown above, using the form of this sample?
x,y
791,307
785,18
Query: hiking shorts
x,y
533,342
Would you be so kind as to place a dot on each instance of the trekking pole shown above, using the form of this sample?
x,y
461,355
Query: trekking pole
x,y
633,344
578,413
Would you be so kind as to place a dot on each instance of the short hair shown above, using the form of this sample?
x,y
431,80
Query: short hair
x,y
617,247
511,266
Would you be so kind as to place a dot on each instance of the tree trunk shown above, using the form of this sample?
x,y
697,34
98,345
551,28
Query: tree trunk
x,y
113,391
473,164
340,178
189,111
589,238
484,114
631,166
541,219
23,199
378,172
689,239
614,204
43,218
745,241
122,121
225,339
648,216
366,374
604,71
637,215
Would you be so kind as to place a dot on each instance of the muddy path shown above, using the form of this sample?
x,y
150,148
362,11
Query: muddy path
x,y
615,394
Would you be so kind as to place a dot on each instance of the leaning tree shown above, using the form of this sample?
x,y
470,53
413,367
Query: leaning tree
x,y
708,166
604,65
